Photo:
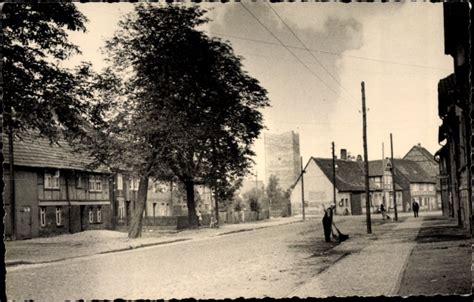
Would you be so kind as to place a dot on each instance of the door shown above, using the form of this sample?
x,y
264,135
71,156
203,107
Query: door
x,y
24,223
81,215
356,206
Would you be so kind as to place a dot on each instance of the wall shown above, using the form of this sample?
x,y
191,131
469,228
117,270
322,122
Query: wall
x,y
425,195
31,197
26,204
343,203
51,227
282,157
318,190
426,164
377,198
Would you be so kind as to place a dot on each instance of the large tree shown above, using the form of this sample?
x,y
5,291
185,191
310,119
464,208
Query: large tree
x,y
38,93
191,111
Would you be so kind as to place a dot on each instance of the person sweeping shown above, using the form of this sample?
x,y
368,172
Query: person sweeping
x,y
328,224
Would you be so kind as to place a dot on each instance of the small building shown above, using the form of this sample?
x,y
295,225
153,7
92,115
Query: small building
x,y
412,183
428,163
417,185
381,186
54,191
350,188
164,199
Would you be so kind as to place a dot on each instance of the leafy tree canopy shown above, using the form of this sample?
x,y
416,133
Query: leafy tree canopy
x,y
274,192
38,93
189,110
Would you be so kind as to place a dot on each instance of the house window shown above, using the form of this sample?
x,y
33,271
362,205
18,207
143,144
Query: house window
x,y
43,216
134,182
99,214
378,182
95,183
119,182
79,181
347,202
91,216
121,212
51,180
59,216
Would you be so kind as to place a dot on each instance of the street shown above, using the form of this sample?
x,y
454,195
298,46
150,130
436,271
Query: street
x,y
267,262
278,261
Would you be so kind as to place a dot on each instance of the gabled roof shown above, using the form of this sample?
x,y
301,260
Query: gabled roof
x,y
376,167
412,171
427,154
350,174
33,151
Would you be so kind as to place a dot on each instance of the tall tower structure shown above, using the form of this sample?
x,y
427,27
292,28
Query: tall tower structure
x,y
282,157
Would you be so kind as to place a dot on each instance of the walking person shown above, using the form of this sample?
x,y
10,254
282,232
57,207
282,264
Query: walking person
x,y
382,210
327,222
416,208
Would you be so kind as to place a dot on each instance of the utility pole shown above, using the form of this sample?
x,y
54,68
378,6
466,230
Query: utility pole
x,y
393,179
366,162
302,188
383,176
256,188
12,182
334,176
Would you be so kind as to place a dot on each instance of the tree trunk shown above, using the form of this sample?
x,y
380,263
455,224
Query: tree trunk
x,y
217,206
135,227
192,217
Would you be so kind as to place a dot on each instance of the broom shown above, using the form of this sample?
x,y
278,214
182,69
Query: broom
x,y
341,237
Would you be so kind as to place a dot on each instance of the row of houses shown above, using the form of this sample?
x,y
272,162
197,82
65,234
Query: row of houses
x,y
415,177
52,192
455,111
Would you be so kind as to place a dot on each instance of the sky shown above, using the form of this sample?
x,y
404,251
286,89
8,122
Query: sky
x,y
314,83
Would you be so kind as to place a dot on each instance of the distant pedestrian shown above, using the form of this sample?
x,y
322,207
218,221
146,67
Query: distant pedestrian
x,y
327,223
382,210
199,216
416,208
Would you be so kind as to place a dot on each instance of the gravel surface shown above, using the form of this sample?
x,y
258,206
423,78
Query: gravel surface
x,y
445,254
266,262
373,270
88,243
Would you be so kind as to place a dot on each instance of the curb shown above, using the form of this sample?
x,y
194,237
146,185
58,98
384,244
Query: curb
x,y
14,263
256,228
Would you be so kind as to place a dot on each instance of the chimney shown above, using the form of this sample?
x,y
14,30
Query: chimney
x,y
359,157
419,145
344,154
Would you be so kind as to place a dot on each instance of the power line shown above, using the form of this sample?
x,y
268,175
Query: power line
x,y
330,53
288,49
311,49
306,48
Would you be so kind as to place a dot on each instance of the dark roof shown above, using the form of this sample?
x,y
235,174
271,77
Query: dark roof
x,y
376,167
424,152
350,174
412,171
33,151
